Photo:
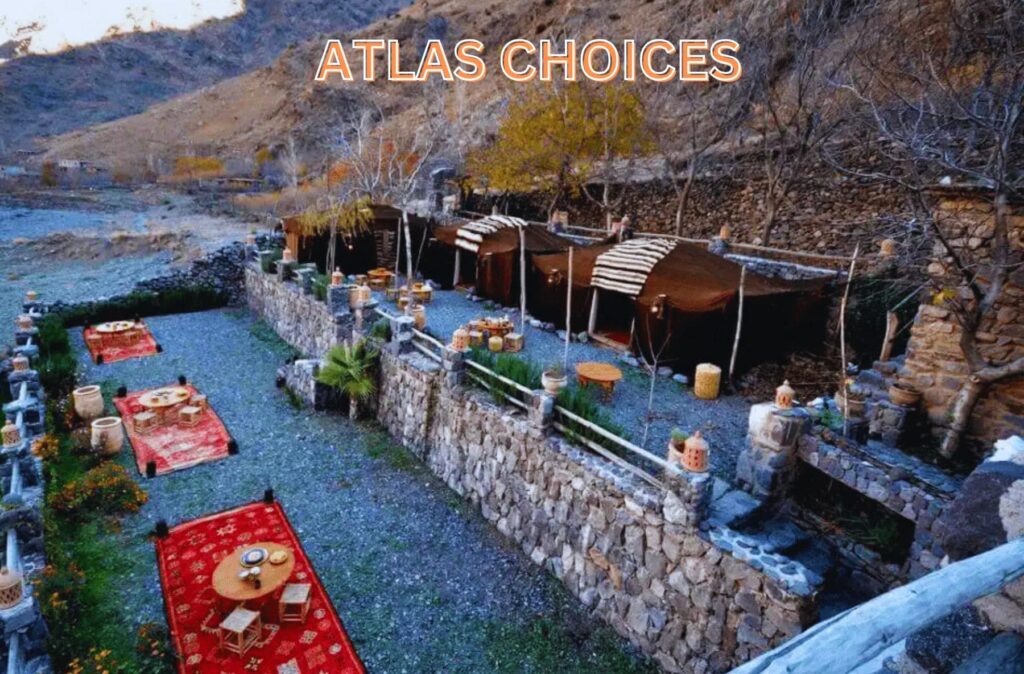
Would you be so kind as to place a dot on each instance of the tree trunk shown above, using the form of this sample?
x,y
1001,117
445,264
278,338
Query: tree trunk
x,y
960,414
769,218
684,197
353,409
408,248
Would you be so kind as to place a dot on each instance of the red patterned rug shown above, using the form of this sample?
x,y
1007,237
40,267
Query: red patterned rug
x,y
187,558
173,446
109,352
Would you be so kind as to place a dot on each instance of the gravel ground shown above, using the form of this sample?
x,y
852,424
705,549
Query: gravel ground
x,y
723,421
37,222
419,579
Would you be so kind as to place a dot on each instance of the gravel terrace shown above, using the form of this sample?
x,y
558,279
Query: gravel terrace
x,y
422,582
723,421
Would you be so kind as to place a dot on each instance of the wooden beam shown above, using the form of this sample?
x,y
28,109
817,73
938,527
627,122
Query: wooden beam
x,y
892,324
856,636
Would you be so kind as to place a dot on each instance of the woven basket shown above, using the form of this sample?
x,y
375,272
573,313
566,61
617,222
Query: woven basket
x,y
707,381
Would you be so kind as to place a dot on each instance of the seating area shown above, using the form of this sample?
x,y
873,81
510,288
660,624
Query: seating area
x,y
171,428
242,596
120,340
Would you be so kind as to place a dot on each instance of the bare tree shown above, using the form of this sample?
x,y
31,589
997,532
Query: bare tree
x,y
953,107
290,163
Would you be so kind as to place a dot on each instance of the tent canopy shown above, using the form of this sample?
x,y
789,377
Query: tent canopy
x,y
498,234
691,278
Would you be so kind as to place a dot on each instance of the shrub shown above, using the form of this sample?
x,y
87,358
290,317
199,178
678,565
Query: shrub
x,y
582,402
145,303
320,284
57,374
107,488
381,330
349,369
53,336
269,264
522,371
46,447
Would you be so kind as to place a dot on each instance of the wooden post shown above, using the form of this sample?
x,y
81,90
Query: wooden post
x,y
522,281
398,257
892,323
458,265
592,322
568,313
842,339
739,323
408,249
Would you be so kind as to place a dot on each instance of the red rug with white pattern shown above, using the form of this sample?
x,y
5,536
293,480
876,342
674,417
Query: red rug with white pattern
x,y
112,351
187,558
173,446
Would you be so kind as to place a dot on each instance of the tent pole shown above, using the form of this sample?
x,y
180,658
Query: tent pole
x,y
408,247
568,312
842,341
739,324
522,281
458,266
592,322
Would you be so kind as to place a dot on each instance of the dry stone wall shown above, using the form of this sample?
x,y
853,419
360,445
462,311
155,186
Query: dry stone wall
x,y
297,317
935,364
640,558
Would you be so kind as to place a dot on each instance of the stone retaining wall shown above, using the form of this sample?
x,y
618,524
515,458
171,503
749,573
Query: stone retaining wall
x,y
639,557
297,317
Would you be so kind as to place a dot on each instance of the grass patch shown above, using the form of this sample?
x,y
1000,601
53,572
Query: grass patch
x,y
379,445
293,398
548,644
262,332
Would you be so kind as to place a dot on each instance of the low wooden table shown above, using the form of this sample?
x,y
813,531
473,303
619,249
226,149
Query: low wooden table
x,y
228,585
604,375
116,332
164,401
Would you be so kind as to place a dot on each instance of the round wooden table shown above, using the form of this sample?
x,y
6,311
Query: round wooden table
x,y
113,327
228,585
163,401
604,375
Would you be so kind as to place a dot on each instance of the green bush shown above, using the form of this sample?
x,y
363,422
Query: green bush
x,y
381,330
53,336
520,370
583,403
269,264
320,284
57,374
145,303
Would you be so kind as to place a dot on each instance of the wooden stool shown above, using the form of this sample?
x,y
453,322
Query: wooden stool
x,y
132,336
391,293
144,422
513,342
199,400
95,341
189,415
294,603
377,283
240,630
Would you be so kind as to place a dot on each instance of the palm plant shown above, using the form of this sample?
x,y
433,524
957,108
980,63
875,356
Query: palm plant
x,y
349,370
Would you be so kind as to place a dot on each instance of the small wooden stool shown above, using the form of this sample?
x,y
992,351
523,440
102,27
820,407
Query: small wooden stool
x,y
199,400
240,630
95,340
294,603
189,415
144,422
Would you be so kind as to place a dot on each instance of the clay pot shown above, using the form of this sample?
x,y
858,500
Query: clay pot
x,y
12,588
695,453
24,322
88,402
20,363
419,316
903,395
784,396
287,256
856,405
107,435
725,233
675,452
250,239
337,277
31,296
552,383
11,434
887,248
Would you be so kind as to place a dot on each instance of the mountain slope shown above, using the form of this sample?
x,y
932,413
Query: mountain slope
x,y
53,94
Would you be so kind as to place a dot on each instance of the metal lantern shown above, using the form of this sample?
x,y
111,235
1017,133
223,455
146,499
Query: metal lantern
x,y
784,396
287,256
31,296
337,277
460,339
887,248
24,322
20,363
725,233
11,434
12,588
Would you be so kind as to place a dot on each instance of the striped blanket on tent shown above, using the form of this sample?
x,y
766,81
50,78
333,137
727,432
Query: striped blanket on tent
x,y
470,236
625,267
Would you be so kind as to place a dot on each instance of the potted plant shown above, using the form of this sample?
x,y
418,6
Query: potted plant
x,y
349,369
676,443
851,402
553,378
904,395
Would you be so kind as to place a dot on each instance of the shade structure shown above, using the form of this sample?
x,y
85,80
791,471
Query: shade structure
x,y
374,246
488,254
678,302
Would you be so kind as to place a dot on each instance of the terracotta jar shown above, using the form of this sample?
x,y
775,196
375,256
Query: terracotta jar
x,y
784,396
337,277
496,343
107,435
725,233
31,296
695,453
903,395
287,256
11,434
12,588
20,363
24,322
887,247
460,339
553,382
88,402
250,239
419,316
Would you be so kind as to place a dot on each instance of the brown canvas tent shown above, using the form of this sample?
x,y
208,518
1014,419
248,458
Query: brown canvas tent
x,y
679,302
374,247
486,253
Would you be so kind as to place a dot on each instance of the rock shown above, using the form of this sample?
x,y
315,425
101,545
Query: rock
x,y
664,371
681,379
582,338
947,642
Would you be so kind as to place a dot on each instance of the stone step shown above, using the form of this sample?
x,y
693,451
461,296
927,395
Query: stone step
x,y
1004,654
733,508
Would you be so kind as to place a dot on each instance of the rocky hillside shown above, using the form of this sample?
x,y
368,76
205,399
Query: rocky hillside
x,y
44,95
